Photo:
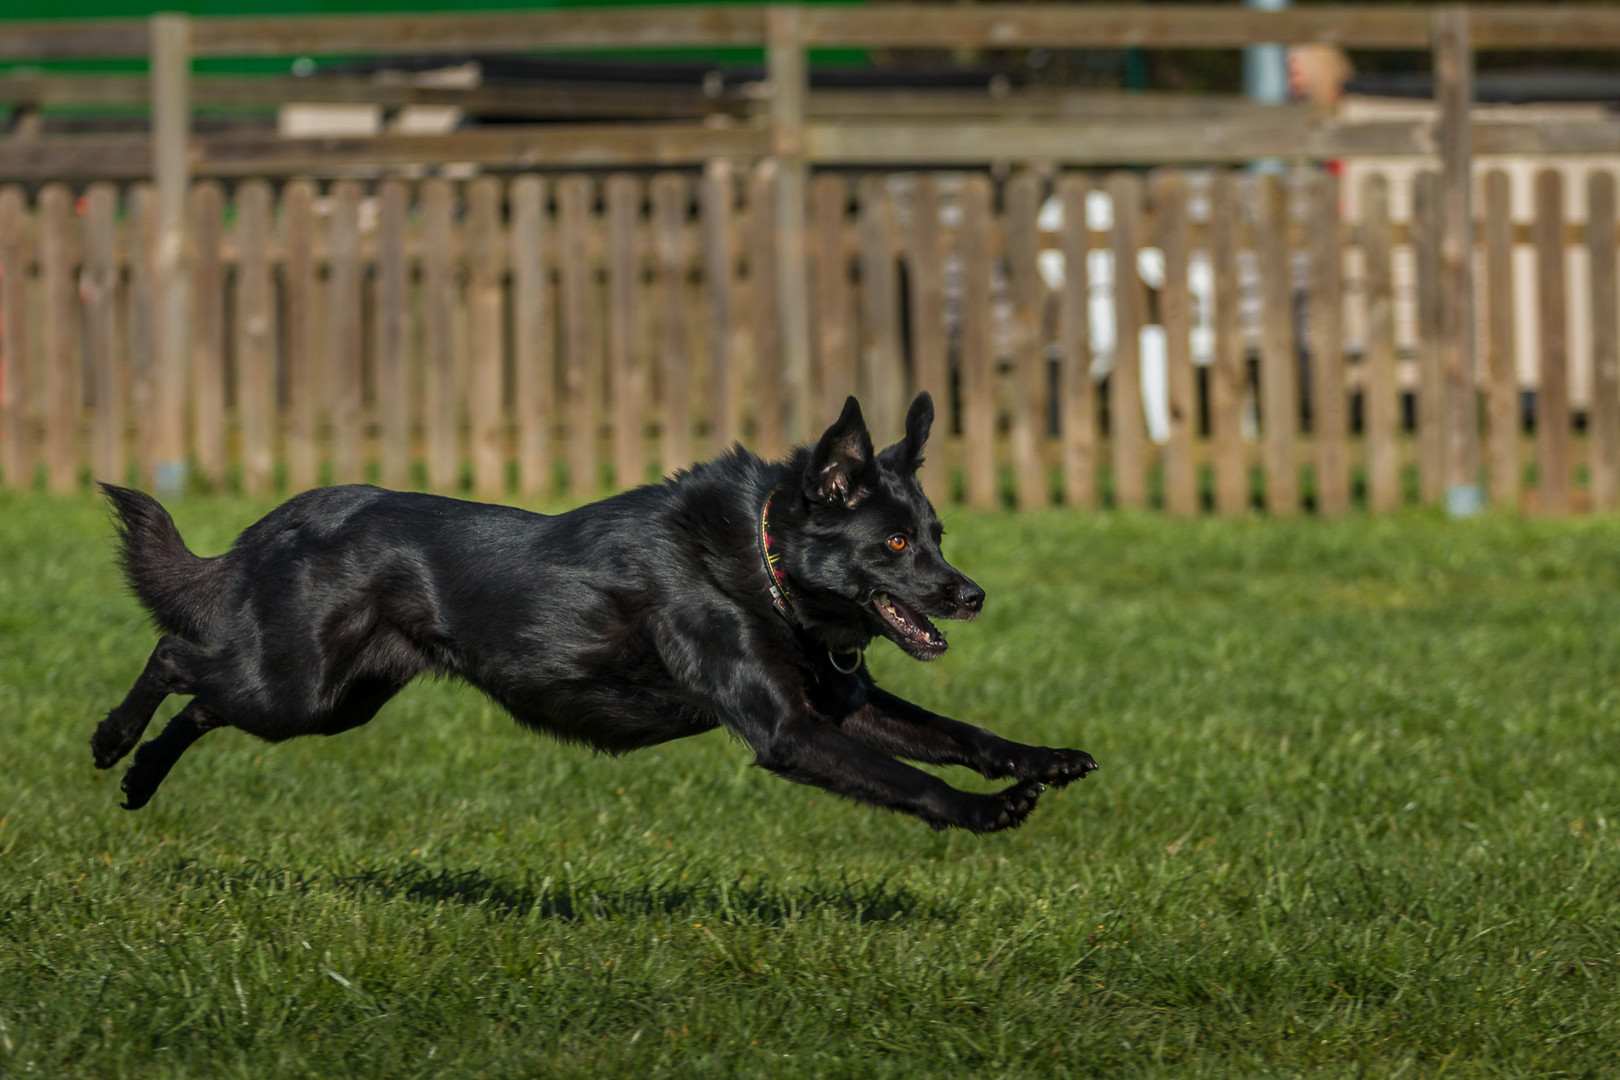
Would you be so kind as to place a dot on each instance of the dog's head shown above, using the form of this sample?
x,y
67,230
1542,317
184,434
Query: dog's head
x,y
865,551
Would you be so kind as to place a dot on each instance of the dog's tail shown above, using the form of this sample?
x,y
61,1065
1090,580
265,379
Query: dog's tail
x,y
182,591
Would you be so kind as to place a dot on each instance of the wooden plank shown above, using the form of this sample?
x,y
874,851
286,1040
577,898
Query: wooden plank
x,y
626,416
834,337
17,445
1501,354
441,414
1330,413
1604,418
99,286
1431,390
486,334
764,282
1552,399
59,339
466,32
1028,293
671,201
1077,398
925,261
1169,193
256,337
978,359
1454,92
787,68
393,339
534,328
208,332
581,357
171,131
1127,425
345,407
1380,396
33,41
1228,372
881,376
719,270
299,349
1279,373
141,208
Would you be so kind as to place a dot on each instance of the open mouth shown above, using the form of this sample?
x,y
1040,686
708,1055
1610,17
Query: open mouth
x,y
914,632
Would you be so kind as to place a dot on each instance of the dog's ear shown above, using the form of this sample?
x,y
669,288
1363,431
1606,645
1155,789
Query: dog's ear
x,y
842,460
906,455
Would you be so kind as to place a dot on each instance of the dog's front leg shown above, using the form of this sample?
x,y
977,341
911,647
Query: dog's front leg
x,y
896,726
809,750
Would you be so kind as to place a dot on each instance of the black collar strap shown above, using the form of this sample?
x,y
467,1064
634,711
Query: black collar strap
x,y
846,663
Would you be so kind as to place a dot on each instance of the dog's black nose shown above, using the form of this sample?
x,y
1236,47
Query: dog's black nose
x,y
969,596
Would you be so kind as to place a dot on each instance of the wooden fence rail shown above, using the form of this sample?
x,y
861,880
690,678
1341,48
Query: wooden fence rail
x,y
1205,341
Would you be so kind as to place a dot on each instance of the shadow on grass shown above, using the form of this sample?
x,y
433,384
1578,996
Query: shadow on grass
x,y
681,892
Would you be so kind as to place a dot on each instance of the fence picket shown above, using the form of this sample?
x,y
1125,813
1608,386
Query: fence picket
x,y
581,357
1126,424
300,333
486,338
1028,397
105,359
719,272
763,281
1500,353
1380,394
833,338
440,419
255,338
671,198
142,212
1552,399
1431,410
534,329
978,358
393,366
1279,372
58,320
1605,412
1229,368
344,401
1077,395
207,211
18,447
1175,314
929,363
881,379
1330,414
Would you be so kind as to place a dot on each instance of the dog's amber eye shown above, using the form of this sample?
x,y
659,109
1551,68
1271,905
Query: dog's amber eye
x,y
897,542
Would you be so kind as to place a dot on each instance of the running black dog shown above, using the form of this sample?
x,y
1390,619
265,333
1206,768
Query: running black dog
x,y
739,594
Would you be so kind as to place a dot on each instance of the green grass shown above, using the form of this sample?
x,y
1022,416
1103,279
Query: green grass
x,y
1357,815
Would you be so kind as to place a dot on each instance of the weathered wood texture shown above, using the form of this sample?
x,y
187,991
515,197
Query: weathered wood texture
x,y
473,337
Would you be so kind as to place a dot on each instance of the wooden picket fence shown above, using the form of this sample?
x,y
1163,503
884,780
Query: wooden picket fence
x,y
554,336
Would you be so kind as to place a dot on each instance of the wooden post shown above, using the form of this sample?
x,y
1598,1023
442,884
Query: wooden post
x,y
299,333
1454,89
534,351
924,260
1552,398
486,333
1077,393
255,337
671,197
1028,354
171,174
1175,313
208,332
789,78
1605,413
1127,425
1431,394
18,447
1501,354
106,358
1379,393
1329,409
393,337
1279,371
59,338
882,381
344,399
1229,369
719,238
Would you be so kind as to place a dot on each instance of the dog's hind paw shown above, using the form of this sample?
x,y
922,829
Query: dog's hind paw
x,y
1052,766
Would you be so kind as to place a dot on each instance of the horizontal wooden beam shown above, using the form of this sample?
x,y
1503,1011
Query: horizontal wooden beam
x,y
930,25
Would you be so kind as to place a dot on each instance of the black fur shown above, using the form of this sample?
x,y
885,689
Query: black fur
x,y
638,619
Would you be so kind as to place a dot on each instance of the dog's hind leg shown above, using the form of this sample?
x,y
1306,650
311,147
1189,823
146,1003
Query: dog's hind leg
x,y
155,758
171,669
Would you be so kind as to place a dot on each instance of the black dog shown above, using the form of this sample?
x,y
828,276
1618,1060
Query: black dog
x,y
739,594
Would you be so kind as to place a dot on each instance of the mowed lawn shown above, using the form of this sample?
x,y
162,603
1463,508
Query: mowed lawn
x,y
1358,815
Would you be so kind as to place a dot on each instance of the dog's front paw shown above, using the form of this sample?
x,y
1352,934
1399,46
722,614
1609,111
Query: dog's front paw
x,y
1051,766
111,742
1005,809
